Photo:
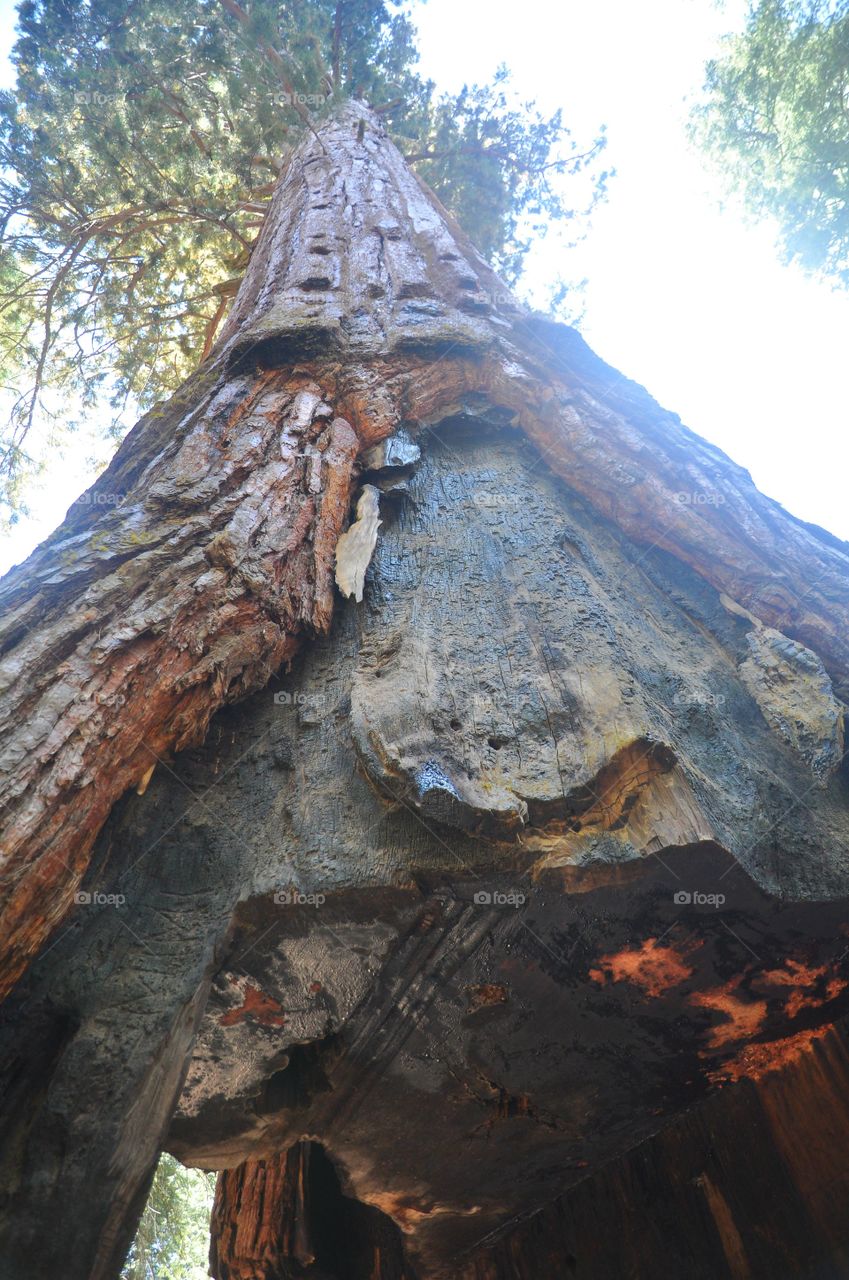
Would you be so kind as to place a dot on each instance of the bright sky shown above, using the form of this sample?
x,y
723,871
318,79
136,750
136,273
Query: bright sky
x,y
683,297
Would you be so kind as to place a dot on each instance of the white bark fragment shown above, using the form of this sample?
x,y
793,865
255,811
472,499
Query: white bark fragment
x,y
355,548
399,450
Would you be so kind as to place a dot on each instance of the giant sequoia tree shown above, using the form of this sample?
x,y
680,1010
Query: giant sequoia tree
x,y
425,799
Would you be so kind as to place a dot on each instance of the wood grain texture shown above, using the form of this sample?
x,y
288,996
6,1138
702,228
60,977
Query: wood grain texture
x,y
203,554
593,669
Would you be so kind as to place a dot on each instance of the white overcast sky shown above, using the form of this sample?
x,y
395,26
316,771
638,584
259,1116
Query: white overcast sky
x,y
683,296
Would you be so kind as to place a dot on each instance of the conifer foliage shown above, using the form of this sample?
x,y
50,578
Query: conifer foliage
x,y
776,123
140,149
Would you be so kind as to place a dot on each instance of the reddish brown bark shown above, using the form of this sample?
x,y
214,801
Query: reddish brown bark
x,y
191,595
287,1216
259,1219
721,1169
205,552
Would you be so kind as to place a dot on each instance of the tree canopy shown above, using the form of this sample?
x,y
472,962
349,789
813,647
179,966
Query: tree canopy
x,y
140,148
776,121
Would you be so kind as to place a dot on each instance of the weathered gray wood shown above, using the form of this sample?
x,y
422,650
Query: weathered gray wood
x,y
592,667
204,552
599,750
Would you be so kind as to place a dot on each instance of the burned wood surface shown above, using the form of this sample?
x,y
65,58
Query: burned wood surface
x,y
461,891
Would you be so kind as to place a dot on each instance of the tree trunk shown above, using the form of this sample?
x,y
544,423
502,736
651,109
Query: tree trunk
x,y
722,1168
414,911
292,1219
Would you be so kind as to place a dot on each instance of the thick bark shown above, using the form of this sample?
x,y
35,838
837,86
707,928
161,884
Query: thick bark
x,y
287,1217
131,632
592,668
206,549
462,1063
